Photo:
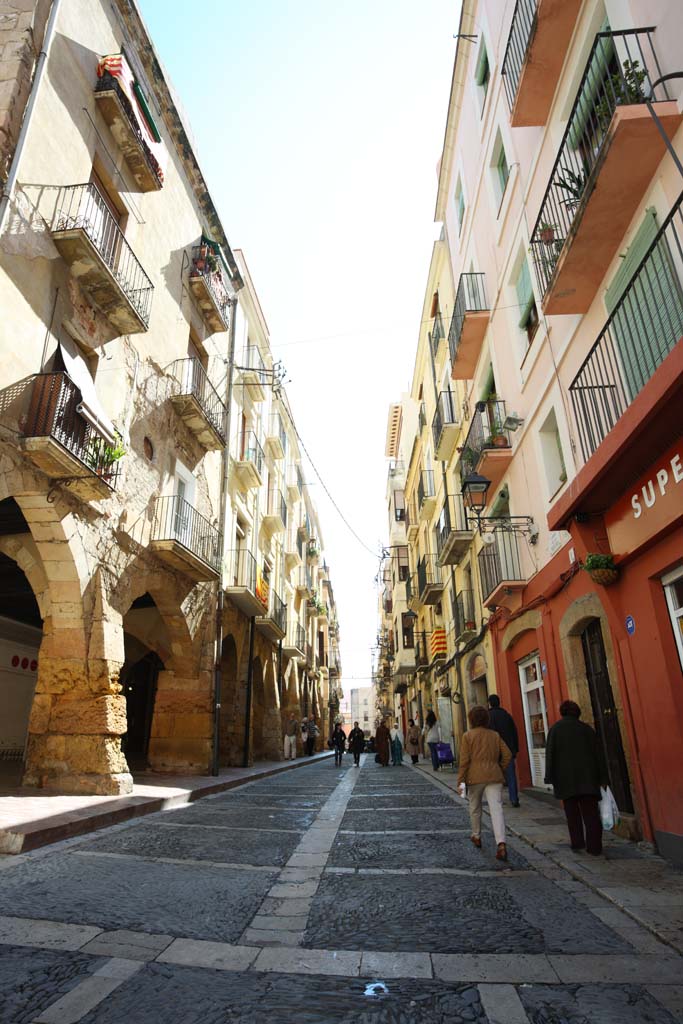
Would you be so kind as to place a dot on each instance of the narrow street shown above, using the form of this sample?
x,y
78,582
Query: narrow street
x,y
316,896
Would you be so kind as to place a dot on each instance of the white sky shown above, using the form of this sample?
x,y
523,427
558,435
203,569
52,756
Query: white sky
x,y
319,126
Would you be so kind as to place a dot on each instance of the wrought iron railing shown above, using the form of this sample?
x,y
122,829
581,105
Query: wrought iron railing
x,y
54,400
277,611
298,637
422,418
620,71
444,415
175,519
250,450
82,207
243,569
251,359
645,325
428,573
452,520
192,379
486,431
436,333
425,486
463,612
276,505
277,429
410,588
470,298
108,83
499,562
521,33
207,265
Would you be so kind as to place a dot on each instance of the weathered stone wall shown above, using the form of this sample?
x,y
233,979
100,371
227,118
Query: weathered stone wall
x,y
22,25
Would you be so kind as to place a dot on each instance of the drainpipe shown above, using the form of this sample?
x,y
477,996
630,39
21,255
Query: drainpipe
x,y
250,684
10,183
220,602
280,683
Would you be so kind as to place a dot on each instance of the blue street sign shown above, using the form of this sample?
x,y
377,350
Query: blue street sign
x,y
630,625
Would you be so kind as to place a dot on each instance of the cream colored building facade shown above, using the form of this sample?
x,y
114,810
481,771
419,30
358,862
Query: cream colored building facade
x,y
160,555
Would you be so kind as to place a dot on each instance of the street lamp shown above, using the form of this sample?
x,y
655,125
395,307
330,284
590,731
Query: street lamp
x,y
474,490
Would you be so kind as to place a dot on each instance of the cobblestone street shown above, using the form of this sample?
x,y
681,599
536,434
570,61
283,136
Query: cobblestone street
x,y
318,896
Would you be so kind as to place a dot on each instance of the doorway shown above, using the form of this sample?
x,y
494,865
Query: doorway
x,y
605,715
139,688
535,716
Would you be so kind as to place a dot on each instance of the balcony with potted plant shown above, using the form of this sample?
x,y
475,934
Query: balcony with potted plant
x,y
488,448
208,276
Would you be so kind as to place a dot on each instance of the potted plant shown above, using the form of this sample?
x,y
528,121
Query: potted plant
x,y
546,232
574,184
103,455
470,624
601,569
626,88
212,261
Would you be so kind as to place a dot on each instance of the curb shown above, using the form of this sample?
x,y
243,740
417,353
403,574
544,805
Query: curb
x,y
25,838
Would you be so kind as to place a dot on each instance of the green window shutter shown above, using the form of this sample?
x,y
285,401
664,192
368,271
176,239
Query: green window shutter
x,y
592,89
635,253
503,170
525,294
146,112
461,208
481,75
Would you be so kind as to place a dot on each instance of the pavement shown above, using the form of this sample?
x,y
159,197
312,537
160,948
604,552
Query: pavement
x,y
325,895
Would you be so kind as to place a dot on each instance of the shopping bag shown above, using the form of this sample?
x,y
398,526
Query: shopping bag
x,y
609,812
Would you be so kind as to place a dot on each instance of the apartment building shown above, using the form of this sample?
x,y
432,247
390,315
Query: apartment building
x,y
557,283
155,519
363,709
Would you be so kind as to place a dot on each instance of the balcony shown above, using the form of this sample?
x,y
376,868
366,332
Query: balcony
x,y
436,335
426,495
293,488
429,580
275,516
488,448
208,286
445,427
61,442
412,595
412,518
248,465
500,570
120,102
276,438
468,326
245,586
608,156
185,539
453,533
295,644
404,659
421,418
198,403
251,374
293,550
304,584
464,620
536,49
274,623
92,244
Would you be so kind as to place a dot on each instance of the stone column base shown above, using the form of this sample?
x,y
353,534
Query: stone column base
x,y
102,785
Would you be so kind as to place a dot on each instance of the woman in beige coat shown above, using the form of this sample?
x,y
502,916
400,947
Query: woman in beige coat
x,y
413,741
483,760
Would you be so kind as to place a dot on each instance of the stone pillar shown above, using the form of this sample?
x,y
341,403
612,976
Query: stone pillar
x,y
182,726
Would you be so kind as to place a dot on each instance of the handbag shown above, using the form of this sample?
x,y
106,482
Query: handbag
x,y
609,811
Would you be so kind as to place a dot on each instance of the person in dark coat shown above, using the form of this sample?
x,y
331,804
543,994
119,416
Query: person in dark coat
x,y
502,722
356,743
338,740
574,769
382,744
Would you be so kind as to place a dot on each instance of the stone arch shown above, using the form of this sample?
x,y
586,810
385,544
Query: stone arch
x,y
530,620
581,612
476,679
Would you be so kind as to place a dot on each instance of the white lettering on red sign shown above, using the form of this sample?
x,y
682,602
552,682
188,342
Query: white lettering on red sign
x,y
648,492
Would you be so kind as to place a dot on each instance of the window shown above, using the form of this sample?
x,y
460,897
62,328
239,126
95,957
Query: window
x,y
482,74
460,204
503,170
500,170
673,589
528,320
551,450
402,555
399,506
407,632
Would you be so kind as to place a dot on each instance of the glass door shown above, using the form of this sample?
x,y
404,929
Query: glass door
x,y
535,716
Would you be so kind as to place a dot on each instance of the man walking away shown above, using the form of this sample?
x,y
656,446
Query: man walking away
x,y
573,768
291,729
382,739
502,722
338,741
311,736
356,743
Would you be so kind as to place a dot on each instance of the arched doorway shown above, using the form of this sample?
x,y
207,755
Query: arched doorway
x,y
232,719
146,643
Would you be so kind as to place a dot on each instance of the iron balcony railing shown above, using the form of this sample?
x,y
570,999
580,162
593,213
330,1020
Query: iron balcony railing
x,y
243,569
452,520
299,637
192,379
644,327
425,486
82,207
277,611
421,650
422,418
470,298
499,562
175,519
250,450
410,588
207,265
521,33
428,573
277,506
620,71
463,612
251,359
53,412
277,429
486,431
436,333
444,415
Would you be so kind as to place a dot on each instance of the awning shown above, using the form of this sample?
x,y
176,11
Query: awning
x,y
89,408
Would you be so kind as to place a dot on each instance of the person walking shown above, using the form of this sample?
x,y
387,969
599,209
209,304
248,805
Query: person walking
x,y
291,730
338,739
311,736
504,724
396,737
483,760
413,741
382,739
574,768
356,743
432,735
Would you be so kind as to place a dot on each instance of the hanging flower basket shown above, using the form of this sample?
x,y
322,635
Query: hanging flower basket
x,y
601,569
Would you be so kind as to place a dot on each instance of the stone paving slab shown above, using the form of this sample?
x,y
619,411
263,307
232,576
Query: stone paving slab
x,y
650,970
518,968
601,1004
256,847
209,812
399,802
127,944
271,800
33,979
42,934
387,820
219,956
420,850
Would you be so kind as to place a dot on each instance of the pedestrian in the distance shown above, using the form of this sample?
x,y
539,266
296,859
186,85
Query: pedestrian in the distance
x,y
338,743
432,736
413,741
311,736
291,730
356,743
573,767
504,724
382,740
396,739
483,760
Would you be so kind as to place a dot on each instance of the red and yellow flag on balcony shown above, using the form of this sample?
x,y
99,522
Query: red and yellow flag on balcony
x,y
437,644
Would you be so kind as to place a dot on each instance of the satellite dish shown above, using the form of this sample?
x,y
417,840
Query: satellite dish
x,y
488,539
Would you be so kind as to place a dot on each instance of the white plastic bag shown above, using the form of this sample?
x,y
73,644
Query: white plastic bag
x,y
609,812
